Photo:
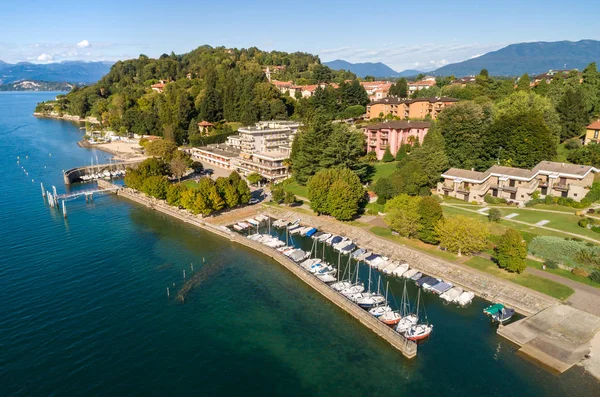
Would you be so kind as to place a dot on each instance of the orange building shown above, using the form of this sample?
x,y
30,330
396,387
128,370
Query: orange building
x,y
417,108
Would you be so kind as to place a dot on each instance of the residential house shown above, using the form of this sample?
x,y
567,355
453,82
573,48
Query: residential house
x,y
592,133
418,108
549,75
204,126
393,134
158,87
463,81
425,82
518,184
376,89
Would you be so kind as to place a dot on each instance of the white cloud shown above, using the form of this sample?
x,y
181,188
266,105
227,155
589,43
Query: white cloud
x,y
84,44
44,57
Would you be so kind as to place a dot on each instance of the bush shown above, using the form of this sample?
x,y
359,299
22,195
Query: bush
x,y
550,264
570,252
278,194
549,200
573,144
591,211
580,272
494,215
595,229
494,200
388,157
583,222
289,199
595,276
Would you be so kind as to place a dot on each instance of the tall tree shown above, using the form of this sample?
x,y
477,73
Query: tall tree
x,y
591,88
430,213
511,251
572,112
432,156
402,215
400,89
524,83
462,234
211,108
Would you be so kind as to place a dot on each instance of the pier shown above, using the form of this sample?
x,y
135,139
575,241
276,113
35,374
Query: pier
x,y
74,174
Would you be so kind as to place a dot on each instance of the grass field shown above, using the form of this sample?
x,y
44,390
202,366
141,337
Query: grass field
x,y
563,273
383,169
294,187
190,183
536,283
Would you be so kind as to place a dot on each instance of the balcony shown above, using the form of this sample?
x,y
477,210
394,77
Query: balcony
x,y
510,189
448,188
372,143
562,187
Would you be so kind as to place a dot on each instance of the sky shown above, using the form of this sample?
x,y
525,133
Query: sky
x,y
402,34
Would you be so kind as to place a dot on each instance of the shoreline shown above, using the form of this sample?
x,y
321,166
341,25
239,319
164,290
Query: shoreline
x,y
406,347
66,117
117,154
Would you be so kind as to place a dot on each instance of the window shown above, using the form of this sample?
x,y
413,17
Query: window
x,y
575,194
522,196
596,134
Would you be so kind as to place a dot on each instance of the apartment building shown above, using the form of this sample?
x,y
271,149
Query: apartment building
x,y
376,90
592,133
518,184
426,82
393,134
409,108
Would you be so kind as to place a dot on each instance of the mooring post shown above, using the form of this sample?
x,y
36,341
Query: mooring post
x,y
184,274
43,191
168,293
192,266
64,208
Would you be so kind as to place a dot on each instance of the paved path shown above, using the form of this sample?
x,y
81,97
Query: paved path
x,y
586,297
532,225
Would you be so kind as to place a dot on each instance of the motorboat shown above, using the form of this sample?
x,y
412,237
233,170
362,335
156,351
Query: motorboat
x,y
400,270
307,264
390,268
341,285
440,288
324,237
355,289
326,278
465,298
348,249
409,273
428,285
261,217
296,230
356,254
311,232
370,300
499,313
379,310
238,228
417,276
338,246
423,280
317,235
253,222
305,230
451,294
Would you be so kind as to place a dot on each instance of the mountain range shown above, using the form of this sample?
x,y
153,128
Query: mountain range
x,y
78,72
512,60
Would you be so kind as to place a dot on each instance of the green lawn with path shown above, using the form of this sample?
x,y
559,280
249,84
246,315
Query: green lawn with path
x,y
536,283
563,273
386,233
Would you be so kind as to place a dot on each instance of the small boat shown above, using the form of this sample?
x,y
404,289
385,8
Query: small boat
x,y
423,280
326,278
244,225
253,222
390,318
407,318
341,285
390,268
305,230
356,254
348,249
238,228
400,270
338,247
261,217
296,230
323,237
499,313
364,256
307,264
417,276
420,330
371,299
451,294
428,285
334,240
440,288
409,273
465,298
317,235
379,310
311,232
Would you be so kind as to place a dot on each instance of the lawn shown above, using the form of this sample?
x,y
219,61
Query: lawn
x,y
374,208
190,183
556,207
383,169
386,233
294,187
536,283
563,273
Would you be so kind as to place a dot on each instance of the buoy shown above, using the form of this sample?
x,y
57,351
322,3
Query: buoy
x,y
26,157
184,274
168,294
50,154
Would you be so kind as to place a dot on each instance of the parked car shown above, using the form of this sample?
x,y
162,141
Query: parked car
x,y
253,201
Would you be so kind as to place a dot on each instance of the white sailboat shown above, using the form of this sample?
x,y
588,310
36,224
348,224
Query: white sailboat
x,y
408,319
421,330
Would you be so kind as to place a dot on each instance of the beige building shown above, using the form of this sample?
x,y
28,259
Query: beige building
x,y
426,82
592,133
518,184
409,108
376,90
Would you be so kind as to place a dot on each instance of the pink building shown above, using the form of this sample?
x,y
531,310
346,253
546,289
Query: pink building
x,y
392,134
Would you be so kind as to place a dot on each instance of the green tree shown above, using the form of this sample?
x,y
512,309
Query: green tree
x,y
289,198
430,213
243,191
278,194
402,215
188,199
410,178
387,156
462,234
161,148
156,186
400,89
511,251
254,178
153,167
494,215
174,193
591,89
228,192
572,112
523,84
431,156
401,153
321,184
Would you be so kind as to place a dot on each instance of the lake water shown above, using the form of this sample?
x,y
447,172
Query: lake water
x,y
84,309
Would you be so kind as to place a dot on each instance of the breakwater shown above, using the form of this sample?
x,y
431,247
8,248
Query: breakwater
x,y
406,347
75,174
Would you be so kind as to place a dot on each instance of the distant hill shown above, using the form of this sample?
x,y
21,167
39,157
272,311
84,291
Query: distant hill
x,y
532,58
363,69
34,85
410,73
69,71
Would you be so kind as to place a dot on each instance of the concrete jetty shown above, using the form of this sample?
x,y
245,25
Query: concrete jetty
x,y
406,347
75,174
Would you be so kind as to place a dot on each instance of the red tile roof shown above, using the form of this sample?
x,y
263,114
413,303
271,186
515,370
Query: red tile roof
x,y
205,123
594,126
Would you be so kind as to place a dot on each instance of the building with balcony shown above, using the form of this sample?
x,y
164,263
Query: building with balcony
x,y
518,184
592,133
270,165
409,108
376,89
425,82
218,155
393,134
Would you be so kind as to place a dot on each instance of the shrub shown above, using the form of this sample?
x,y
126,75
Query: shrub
x,y
580,272
549,200
595,276
388,157
583,222
568,251
573,144
278,194
550,264
494,215
494,200
591,211
595,229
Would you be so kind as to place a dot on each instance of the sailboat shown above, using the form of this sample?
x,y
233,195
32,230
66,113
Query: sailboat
x,y
340,285
389,317
369,299
408,319
420,330
380,310
355,291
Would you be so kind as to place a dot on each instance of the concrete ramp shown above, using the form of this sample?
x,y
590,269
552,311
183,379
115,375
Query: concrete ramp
x,y
557,337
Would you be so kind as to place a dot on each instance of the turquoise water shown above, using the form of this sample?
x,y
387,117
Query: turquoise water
x,y
84,309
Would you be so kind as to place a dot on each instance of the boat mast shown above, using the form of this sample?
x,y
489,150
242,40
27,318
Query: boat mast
x,y
418,303
387,285
369,278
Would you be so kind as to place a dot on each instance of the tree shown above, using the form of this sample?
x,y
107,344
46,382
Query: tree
x,y
402,215
188,199
430,213
254,178
524,83
340,203
156,186
278,194
174,193
463,127
161,148
462,234
228,192
153,167
242,189
431,156
211,107
289,198
511,251
494,215
572,112
401,153
320,185
400,89
591,88
387,156
410,178
384,189
178,167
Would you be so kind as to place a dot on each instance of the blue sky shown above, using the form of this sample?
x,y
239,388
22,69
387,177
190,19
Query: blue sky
x,y
402,34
